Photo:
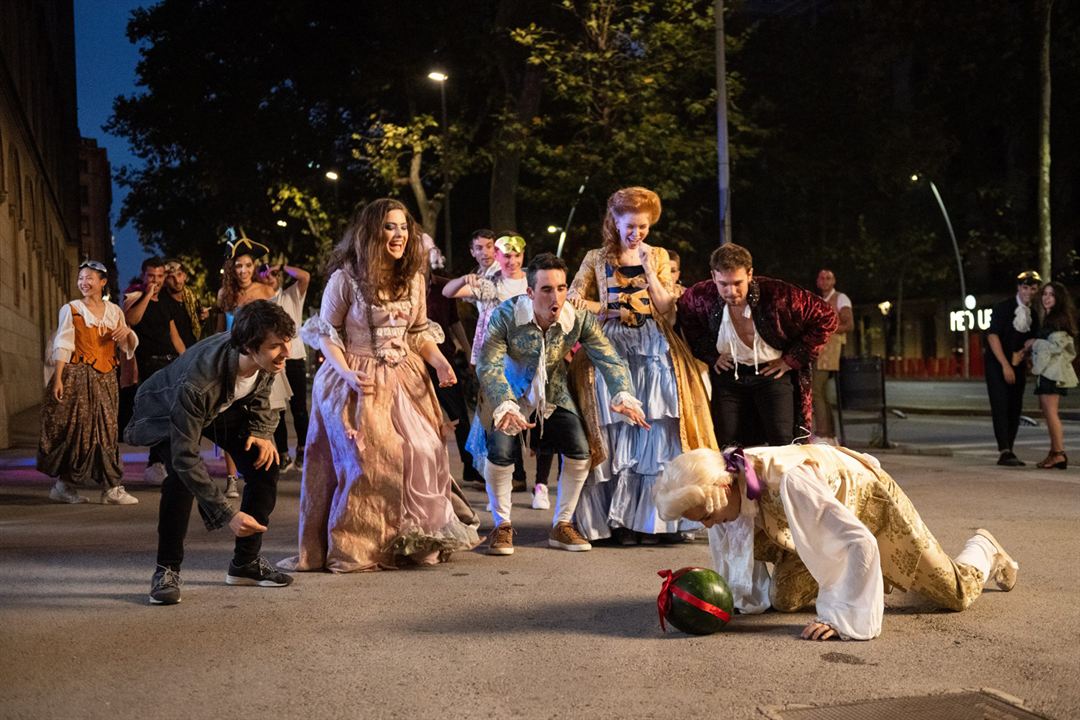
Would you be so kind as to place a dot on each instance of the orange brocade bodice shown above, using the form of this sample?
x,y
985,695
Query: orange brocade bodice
x,y
94,346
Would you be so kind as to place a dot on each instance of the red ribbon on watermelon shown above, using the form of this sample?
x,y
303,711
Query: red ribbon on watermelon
x,y
669,588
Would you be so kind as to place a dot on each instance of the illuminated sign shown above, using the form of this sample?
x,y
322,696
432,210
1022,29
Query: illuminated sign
x,y
961,320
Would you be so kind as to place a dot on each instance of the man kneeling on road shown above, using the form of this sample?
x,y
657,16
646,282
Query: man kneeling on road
x,y
218,389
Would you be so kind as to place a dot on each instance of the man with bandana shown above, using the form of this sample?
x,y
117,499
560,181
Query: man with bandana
x,y
524,378
1012,323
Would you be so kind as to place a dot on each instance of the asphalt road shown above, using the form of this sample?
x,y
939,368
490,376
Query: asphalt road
x,y
541,634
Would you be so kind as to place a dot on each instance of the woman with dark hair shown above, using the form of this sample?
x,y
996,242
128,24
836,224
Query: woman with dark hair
x,y
628,284
240,285
79,434
1052,355
377,491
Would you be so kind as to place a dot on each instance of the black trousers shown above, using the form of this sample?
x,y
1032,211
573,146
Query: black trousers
x,y
296,374
754,409
229,432
452,400
1006,401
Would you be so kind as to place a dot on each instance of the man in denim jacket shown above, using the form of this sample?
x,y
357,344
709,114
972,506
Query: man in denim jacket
x,y
218,389
523,376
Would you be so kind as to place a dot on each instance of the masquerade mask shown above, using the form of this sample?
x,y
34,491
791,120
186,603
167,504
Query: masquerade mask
x,y
1028,277
510,244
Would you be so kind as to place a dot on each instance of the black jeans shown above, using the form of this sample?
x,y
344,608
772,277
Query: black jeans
x,y
229,431
452,400
754,408
296,374
1006,401
564,434
148,365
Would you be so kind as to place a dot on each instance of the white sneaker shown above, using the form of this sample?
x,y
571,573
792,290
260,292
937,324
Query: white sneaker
x,y
540,499
62,492
118,496
155,474
231,490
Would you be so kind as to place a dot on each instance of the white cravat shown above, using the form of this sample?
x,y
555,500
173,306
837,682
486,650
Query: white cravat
x,y
1022,317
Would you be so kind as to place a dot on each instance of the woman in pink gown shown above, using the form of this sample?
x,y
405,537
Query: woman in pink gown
x,y
376,489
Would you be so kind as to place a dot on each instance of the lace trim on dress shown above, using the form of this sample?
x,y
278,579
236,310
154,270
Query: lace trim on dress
x,y
316,328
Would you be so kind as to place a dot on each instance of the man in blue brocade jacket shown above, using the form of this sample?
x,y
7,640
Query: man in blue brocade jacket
x,y
523,376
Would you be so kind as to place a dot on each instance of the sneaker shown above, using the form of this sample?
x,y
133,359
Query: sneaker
x,y
155,474
1004,570
502,541
230,487
62,492
1008,459
624,536
257,572
540,498
566,537
165,586
286,464
299,458
118,496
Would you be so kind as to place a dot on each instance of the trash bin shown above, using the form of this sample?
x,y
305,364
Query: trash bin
x,y
860,387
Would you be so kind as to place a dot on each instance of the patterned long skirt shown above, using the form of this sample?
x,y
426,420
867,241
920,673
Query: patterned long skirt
x,y
79,433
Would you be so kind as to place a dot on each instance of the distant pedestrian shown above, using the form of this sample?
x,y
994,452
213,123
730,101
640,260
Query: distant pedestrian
x,y
675,261
1052,356
79,417
1012,324
157,318
190,324
220,390
827,364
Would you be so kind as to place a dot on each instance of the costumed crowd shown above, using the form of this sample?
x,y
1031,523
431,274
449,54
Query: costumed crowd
x,y
668,411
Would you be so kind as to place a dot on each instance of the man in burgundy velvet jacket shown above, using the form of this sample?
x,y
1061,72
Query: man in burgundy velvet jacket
x,y
759,337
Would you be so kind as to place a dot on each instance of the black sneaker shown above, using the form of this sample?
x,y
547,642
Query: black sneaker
x,y
1008,459
165,586
257,572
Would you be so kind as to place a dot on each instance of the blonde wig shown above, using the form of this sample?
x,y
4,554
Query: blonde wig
x,y
694,479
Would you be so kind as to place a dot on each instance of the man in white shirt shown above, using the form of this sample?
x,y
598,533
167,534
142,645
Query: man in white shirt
x,y
291,298
759,336
816,525
828,361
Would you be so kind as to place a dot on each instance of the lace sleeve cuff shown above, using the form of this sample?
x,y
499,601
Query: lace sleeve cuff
x,y
507,406
420,334
625,398
316,328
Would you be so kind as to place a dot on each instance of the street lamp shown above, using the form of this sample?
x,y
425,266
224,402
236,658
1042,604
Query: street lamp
x,y
441,78
333,177
959,266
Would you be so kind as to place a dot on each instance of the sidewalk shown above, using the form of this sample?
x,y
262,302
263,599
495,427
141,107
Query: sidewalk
x,y
963,397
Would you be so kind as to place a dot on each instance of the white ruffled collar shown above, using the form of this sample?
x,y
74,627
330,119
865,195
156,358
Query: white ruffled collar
x,y
1021,316
108,317
523,314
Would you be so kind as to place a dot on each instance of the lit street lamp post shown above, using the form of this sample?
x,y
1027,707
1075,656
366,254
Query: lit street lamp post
x,y
441,78
959,268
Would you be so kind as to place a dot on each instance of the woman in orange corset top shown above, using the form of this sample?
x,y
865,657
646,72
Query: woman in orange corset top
x,y
78,443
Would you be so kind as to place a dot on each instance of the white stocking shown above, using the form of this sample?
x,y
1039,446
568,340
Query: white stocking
x,y
571,480
499,480
979,553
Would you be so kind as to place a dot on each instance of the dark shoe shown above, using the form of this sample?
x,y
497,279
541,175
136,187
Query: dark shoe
x,y
624,536
1008,459
299,459
165,586
257,572
1055,460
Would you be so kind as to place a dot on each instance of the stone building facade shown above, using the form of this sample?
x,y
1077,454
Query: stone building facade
x,y
39,192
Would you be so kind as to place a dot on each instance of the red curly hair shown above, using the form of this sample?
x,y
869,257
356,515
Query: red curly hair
x,y
627,200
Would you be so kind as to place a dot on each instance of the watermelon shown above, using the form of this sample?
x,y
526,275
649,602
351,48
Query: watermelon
x,y
695,600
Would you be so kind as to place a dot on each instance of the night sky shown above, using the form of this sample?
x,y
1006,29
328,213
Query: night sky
x,y
105,67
